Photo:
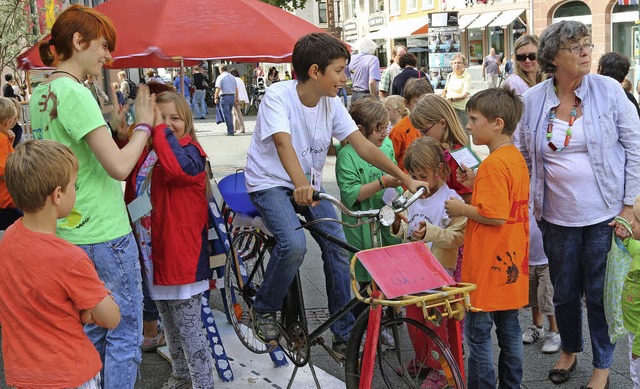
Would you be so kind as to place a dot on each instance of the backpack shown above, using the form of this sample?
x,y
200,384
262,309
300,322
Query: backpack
x,y
133,89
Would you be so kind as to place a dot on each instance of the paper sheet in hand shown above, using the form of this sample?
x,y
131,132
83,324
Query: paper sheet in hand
x,y
465,156
404,269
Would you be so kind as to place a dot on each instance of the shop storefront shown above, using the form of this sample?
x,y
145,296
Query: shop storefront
x,y
408,32
497,29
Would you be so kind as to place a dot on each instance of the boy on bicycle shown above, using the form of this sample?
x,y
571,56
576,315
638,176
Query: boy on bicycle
x,y
496,244
295,125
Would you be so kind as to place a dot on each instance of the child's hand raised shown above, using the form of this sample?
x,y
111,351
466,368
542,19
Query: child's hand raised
x,y
145,106
454,207
396,224
420,232
11,135
466,176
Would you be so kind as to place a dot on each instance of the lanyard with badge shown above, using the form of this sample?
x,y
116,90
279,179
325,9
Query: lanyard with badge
x,y
314,176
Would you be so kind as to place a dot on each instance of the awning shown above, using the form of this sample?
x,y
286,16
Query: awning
x,y
506,18
400,29
465,20
483,20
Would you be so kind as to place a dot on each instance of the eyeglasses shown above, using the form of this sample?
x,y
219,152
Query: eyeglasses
x,y
424,132
577,49
524,57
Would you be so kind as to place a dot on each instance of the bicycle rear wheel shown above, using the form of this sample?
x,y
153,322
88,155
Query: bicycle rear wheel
x,y
253,252
396,364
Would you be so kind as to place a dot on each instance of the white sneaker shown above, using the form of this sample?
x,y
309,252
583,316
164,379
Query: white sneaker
x,y
176,383
551,343
532,334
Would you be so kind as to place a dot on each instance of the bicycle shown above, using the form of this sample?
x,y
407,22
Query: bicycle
x,y
244,270
256,94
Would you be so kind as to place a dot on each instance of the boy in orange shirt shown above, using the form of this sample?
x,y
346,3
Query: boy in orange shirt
x,y
496,245
8,117
49,287
404,133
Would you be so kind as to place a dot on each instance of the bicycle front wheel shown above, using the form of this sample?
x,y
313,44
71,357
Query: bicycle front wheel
x,y
397,365
245,266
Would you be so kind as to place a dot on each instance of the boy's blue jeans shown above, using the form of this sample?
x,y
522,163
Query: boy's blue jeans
x,y
279,216
577,265
477,332
118,267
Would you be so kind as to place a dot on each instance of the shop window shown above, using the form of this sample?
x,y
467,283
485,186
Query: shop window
x,y
374,6
573,10
475,46
412,6
497,41
322,11
395,7
625,37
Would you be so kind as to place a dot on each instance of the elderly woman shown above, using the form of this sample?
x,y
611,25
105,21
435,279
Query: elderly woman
x,y
580,138
458,86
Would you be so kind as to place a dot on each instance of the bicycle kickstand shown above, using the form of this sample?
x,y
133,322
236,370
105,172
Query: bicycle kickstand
x,y
313,373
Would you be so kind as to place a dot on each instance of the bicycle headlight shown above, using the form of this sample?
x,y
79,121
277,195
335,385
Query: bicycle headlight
x,y
387,216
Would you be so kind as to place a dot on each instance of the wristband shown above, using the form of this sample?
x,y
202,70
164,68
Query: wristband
x,y
143,127
381,182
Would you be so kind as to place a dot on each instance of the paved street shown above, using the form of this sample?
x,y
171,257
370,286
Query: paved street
x,y
228,154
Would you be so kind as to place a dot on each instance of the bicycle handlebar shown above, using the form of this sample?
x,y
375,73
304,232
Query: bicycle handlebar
x,y
397,205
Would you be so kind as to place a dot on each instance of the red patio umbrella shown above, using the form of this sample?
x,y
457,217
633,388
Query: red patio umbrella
x,y
153,31
30,60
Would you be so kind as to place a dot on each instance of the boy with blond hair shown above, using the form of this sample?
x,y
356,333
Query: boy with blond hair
x,y
496,245
43,341
404,133
8,117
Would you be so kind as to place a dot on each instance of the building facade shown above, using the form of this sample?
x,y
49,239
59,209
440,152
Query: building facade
x,y
613,26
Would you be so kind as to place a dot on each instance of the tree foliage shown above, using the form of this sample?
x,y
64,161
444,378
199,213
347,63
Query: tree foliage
x,y
18,30
289,5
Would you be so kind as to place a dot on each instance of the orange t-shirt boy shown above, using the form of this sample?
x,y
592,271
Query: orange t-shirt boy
x,y
49,287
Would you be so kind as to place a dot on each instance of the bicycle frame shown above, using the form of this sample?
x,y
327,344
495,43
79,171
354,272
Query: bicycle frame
x,y
293,311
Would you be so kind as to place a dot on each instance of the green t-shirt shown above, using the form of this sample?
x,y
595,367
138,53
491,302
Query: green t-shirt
x,y
351,173
65,111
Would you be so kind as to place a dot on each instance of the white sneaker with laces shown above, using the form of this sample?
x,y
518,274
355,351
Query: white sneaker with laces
x,y
551,343
532,334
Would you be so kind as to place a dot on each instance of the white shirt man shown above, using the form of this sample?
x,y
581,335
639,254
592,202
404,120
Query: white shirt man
x,y
386,81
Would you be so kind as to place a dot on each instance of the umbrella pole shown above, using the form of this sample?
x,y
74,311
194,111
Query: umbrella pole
x,y
182,76
28,81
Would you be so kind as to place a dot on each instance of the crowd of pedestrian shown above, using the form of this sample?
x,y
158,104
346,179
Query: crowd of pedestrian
x,y
532,226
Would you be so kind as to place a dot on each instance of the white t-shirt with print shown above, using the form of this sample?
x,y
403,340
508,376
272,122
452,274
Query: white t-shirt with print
x,y
311,130
431,210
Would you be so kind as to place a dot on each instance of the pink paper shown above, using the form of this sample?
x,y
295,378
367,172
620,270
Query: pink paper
x,y
404,269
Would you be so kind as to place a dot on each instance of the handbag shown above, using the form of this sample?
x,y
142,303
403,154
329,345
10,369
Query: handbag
x,y
618,263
